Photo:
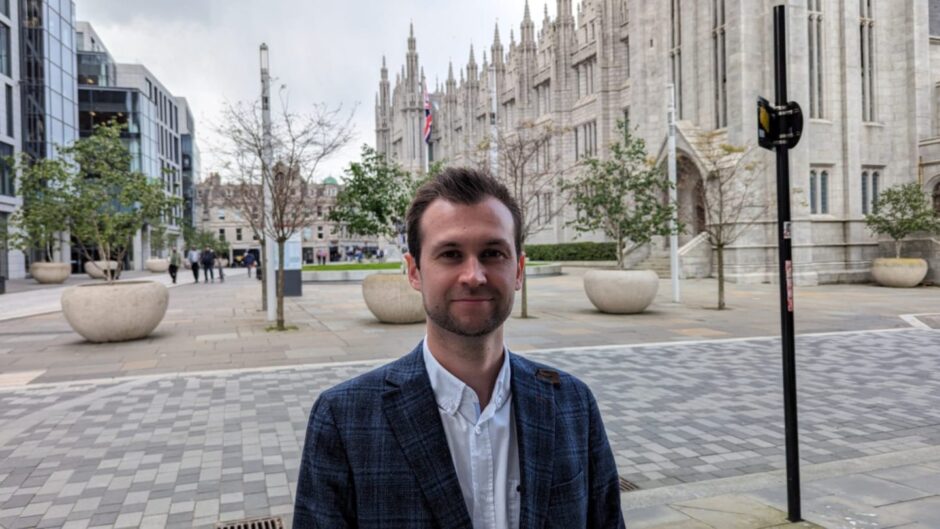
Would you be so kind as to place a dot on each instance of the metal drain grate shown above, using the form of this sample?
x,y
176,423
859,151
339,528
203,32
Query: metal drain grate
x,y
627,486
268,522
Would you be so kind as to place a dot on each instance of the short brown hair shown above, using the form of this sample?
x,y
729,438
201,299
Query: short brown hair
x,y
459,185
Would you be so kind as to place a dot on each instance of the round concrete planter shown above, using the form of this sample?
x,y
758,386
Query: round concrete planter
x,y
95,269
157,265
50,273
115,312
391,299
224,263
898,273
621,291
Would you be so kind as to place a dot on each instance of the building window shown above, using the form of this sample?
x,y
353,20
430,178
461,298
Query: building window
x,y
812,192
584,76
675,52
585,140
875,189
319,232
720,66
867,55
819,191
5,56
5,7
865,208
9,107
577,144
238,234
7,176
221,214
626,58
815,45
221,234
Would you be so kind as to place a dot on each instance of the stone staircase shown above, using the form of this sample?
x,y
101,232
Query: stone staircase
x,y
658,264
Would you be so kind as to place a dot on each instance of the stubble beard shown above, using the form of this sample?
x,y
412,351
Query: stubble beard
x,y
442,317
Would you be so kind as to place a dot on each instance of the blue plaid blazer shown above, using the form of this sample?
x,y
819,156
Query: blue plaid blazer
x,y
376,456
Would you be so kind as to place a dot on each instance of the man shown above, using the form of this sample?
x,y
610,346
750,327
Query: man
x,y
194,258
174,264
249,261
208,264
461,432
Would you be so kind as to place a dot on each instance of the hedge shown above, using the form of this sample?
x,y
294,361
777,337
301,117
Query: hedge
x,y
572,251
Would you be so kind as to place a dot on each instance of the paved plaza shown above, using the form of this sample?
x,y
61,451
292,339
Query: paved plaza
x,y
204,421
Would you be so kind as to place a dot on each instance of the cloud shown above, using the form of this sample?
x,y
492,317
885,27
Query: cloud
x,y
330,52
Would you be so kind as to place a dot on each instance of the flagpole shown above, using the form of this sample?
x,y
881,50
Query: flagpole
x,y
425,129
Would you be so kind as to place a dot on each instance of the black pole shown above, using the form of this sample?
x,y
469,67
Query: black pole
x,y
786,276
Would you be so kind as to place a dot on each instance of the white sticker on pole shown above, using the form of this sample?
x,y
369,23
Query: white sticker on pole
x,y
789,271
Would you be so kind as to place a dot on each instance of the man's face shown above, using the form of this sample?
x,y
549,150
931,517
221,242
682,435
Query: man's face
x,y
469,267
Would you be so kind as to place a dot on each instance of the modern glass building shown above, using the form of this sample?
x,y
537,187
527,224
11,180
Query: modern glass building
x,y
12,264
131,95
190,165
47,75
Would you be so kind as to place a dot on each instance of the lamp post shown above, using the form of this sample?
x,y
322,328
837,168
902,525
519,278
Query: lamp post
x,y
268,264
671,163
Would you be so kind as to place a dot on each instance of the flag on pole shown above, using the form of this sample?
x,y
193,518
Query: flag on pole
x,y
427,116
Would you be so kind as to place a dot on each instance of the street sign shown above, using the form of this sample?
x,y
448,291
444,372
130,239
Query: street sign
x,y
778,126
766,124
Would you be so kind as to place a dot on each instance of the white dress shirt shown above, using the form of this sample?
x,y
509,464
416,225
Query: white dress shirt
x,y
482,444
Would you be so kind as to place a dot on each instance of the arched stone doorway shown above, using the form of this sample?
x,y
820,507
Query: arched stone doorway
x,y
936,198
690,193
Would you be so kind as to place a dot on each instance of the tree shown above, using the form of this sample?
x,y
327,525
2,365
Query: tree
x,y
158,239
107,201
731,196
623,195
40,222
900,211
299,143
532,175
375,196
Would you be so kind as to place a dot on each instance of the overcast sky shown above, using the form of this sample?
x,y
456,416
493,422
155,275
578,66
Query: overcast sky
x,y
330,52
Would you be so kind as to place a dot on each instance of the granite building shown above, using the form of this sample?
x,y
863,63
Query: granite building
x,y
866,73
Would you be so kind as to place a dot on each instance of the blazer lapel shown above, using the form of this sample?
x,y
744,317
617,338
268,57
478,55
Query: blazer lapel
x,y
411,411
534,405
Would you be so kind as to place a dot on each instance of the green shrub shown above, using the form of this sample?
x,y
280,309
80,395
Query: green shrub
x,y
572,251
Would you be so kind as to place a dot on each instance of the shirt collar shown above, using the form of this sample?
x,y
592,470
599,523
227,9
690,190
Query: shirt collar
x,y
449,390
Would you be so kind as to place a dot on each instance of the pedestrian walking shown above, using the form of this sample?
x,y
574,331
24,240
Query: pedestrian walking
x,y
249,261
208,264
174,264
194,259
221,272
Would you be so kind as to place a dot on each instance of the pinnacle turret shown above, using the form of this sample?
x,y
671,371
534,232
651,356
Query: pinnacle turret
x,y
527,28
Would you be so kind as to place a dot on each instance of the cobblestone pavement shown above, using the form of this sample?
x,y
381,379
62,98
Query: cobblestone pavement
x,y
191,449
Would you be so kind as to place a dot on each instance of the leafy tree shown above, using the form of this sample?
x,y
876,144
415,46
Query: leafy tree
x,y
159,239
622,196
43,218
107,201
900,211
375,196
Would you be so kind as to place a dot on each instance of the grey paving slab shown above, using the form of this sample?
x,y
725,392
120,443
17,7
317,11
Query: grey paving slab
x,y
181,449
